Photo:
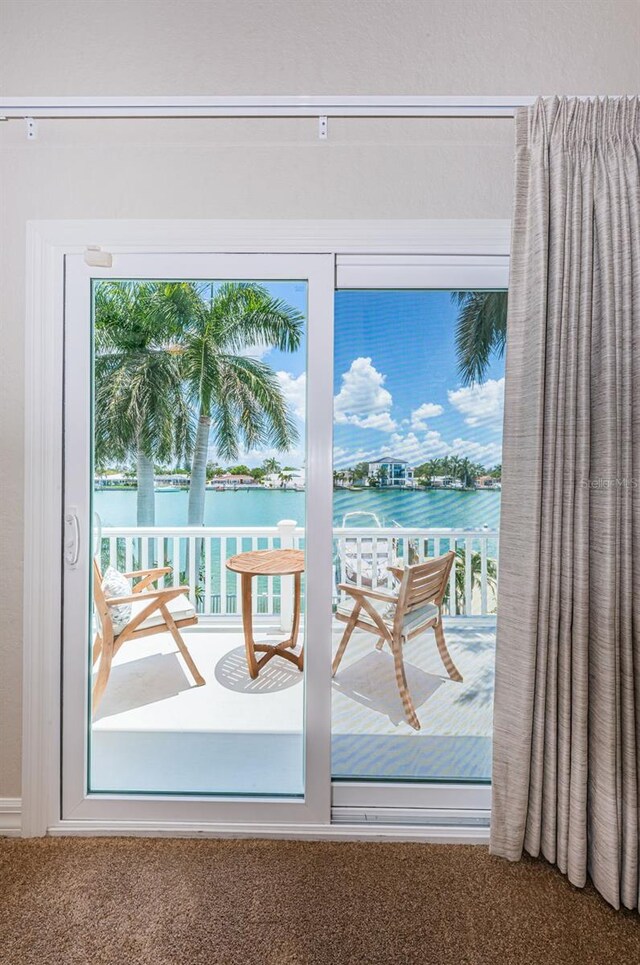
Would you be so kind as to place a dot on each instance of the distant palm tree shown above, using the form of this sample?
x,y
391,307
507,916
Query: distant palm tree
x,y
237,397
480,332
454,466
271,466
141,411
467,472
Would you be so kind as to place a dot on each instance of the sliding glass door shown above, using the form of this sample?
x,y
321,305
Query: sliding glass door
x,y
281,556
190,638
418,399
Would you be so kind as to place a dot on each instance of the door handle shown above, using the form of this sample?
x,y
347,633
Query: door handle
x,y
72,538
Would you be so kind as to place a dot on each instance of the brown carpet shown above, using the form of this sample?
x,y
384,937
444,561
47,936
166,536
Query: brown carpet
x,y
185,902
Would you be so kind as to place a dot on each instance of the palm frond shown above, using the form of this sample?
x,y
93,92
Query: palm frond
x,y
480,331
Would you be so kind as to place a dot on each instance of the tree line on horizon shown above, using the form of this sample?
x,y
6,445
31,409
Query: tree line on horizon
x,y
213,470
458,467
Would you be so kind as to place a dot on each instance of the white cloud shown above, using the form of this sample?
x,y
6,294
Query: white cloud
x,y
344,457
415,449
428,410
294,390
363,400
489,454
377,420
480,404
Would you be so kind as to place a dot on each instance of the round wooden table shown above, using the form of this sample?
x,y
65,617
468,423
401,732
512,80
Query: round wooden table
x,y
268,563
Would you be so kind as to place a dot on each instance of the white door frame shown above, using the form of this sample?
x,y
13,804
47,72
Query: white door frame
x,y
48,242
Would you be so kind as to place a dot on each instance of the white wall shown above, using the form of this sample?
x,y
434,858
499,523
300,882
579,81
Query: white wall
x,y
213,168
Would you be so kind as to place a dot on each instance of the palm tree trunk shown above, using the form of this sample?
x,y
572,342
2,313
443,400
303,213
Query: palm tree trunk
x,y
146,491
199,472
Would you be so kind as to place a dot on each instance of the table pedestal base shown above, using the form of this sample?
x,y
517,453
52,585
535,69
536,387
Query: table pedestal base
x,y
269,650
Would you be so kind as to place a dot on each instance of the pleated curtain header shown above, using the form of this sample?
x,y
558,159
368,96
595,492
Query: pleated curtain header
x,y
575,124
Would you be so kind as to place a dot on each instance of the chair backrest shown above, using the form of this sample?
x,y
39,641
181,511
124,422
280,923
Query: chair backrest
x,y
424,583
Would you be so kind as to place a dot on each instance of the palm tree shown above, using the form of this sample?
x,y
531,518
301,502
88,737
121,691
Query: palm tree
x,y
476,576
271,466
360,471
467,472
481,331
141,411
236,396
453,464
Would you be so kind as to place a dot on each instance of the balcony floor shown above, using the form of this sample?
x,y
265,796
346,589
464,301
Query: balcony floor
x,y
155,731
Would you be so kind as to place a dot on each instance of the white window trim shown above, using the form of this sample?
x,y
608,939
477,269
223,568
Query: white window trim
x,y
47,244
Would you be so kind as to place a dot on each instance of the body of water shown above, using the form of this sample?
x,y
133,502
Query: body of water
x,y
264,507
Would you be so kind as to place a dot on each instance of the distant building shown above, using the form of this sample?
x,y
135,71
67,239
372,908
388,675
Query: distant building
x,y
228,480
487,482
445,482
176,479
396,473
115,479
285,479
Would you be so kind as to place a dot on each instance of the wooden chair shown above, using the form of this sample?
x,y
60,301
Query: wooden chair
x,y
153,611
397,617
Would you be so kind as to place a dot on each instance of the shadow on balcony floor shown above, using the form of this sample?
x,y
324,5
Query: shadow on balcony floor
x,y
155,731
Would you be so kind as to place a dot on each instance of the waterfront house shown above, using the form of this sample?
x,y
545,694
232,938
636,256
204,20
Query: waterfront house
x,y
172,480
115,480
487,482
445,482
285,479
228,480
395,473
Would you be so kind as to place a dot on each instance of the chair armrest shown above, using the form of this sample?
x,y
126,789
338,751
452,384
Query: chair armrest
x,y
168,593
147,576
356,591
397,572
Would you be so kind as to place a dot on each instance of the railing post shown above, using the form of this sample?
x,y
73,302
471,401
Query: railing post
x,y
286,529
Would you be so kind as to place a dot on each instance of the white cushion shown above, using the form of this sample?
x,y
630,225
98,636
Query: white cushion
x,y
180,608
413,619
115,584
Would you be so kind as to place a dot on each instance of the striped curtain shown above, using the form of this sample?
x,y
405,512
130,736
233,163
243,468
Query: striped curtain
x,y
566,772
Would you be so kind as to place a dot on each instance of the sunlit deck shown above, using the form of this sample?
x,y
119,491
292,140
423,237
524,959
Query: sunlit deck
x,y
155,731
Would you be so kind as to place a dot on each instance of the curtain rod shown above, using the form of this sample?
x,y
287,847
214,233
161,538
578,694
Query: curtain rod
x,y
264,106
30,108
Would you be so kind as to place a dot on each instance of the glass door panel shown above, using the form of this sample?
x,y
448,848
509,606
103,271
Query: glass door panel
x,y
187,472
418,395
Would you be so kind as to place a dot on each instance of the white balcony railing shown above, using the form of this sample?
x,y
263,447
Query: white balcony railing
x,y
197,556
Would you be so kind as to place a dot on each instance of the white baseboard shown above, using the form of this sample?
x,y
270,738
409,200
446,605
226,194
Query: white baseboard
x,y
10,817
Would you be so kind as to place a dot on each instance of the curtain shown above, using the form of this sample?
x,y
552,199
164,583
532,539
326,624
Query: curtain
x,y
566,771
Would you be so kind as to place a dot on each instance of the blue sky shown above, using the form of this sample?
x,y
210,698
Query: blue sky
x,y
396,385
